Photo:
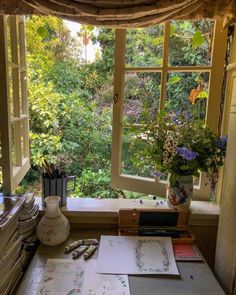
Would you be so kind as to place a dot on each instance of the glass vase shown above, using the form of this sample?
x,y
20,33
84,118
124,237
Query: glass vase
x,y
179,191
54,228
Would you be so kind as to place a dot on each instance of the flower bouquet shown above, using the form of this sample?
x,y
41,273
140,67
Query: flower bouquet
x,y
181,146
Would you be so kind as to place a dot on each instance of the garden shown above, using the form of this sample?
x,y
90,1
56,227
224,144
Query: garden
x,y
71,97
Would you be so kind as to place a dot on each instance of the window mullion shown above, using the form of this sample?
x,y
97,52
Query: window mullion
x,y
164,65
5,126
216,75
119,77
16,87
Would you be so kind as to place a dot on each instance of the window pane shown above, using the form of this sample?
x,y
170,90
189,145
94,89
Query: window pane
x,y
9,54
16,92
131,162
10,89
22,136
191,42
144,47
141,97
13,145
23,92
187,92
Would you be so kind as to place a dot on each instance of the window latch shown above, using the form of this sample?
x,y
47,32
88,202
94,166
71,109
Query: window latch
x,y
115,99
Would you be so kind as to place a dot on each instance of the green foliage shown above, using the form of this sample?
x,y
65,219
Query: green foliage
x,y
95,184
70,101
68,124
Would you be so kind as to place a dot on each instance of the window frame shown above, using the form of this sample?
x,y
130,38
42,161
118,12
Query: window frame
x,y
13,173
149,185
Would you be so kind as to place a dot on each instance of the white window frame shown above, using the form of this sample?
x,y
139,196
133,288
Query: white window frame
x,y
15,100
215,70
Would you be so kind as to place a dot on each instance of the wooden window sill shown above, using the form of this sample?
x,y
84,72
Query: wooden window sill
x,y
81,211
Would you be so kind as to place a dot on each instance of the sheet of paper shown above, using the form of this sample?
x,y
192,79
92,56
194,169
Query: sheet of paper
x,y
62,277
136,255
104,284
73,277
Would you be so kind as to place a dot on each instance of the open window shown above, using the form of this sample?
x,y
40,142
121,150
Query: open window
x,y
14,119
156,79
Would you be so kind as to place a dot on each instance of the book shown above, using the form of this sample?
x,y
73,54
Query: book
x,y
186,252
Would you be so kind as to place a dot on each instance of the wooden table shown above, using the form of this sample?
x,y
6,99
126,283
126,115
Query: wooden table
x,y
196,278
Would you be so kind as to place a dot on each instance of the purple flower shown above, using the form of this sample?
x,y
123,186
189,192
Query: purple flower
x,y
157,174
186,153
223,142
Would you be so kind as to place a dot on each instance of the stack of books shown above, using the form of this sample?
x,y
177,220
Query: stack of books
x,y
18,221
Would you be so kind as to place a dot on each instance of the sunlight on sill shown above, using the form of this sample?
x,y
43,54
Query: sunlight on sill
x,y
89,207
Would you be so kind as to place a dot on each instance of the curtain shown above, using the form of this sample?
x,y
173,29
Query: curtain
x,y
124,13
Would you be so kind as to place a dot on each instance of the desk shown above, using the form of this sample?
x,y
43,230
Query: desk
x,y
196,277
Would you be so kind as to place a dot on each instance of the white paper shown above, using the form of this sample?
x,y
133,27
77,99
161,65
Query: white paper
x,y
62,277
104,284
136,255
73,277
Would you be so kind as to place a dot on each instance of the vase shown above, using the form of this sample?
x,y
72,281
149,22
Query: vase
x,y
179,191
54,228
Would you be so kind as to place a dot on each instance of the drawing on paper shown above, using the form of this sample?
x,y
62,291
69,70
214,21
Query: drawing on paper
x,y
69,277
100,284
62,277
136,255
140,252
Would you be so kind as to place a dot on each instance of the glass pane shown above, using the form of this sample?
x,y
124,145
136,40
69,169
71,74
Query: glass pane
x,y
22,134
9,54
16,92
1,181
10,83
13,145
23,92
187,92
14,40
144,47
141,97
191,42
132,162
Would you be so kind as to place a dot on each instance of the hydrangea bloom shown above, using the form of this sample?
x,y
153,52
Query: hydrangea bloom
x,y
223,142
186,153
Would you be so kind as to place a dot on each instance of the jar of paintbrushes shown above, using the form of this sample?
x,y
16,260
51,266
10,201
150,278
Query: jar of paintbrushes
x,y
55,182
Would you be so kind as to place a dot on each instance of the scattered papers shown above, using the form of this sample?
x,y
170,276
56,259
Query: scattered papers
x,y
103,284
136,255
70,277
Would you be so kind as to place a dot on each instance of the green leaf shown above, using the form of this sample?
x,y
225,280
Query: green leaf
x,y
172,30
90,28
203,94
184,167
197,40
157,41
174,79
159,61
43,32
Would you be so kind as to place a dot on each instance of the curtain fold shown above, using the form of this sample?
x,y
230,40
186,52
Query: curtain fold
x,y
124,14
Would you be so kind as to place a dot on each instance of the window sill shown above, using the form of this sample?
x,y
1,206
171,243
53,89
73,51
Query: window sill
x,y
81,211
